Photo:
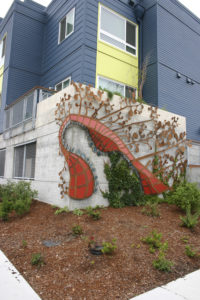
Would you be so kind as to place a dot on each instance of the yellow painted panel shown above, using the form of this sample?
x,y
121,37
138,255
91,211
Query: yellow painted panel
x,y
1,78
115,69
116,64
119,54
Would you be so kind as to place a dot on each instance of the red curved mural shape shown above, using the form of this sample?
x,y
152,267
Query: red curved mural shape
x,y
82,181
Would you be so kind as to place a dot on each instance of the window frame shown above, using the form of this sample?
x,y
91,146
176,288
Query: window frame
x,y
3,149
117,82
62,82
24,160
3,50
59,31
3,53
116,38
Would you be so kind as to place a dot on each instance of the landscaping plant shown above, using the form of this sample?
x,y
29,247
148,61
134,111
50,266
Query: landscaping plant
x,y
109,247
93,213
77,230
161,263
123,183
154,240
15,197
190,252
151,206
78,212
59,211
37,260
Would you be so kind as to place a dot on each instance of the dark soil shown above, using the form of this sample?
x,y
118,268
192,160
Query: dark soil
x,y
72,272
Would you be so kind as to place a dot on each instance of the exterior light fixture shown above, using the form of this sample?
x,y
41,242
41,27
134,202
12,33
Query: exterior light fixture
x,y
178,75
131,2
192,82
188,80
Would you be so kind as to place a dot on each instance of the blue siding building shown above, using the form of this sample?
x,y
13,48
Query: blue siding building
x,y
50,46
171,38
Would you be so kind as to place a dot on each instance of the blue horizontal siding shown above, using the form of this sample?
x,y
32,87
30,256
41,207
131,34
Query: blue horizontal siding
x,y
179,97
178,45
19,82
61,60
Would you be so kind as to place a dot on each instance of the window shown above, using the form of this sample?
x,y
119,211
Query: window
x,y
63,84
194,154
114,86
2,162
24,161
66,25
21,111
117,31
3,47
2,50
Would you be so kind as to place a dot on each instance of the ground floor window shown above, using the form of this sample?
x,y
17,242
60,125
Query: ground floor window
x,y
24,161
63,84
115,87
194,154
2,161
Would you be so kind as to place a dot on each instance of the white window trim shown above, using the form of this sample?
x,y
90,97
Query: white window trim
x,y
61,82
117,82
66,36
24,113
2,58
24,159
116,38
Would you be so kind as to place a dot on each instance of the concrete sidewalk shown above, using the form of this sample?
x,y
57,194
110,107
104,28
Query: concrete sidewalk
x,y
186,288
12,285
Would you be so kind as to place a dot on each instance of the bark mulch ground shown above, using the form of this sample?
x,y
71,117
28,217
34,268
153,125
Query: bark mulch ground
x,y
72,272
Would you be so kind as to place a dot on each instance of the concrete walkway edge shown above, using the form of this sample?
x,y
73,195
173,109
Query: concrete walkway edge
x,y
12,285
186,288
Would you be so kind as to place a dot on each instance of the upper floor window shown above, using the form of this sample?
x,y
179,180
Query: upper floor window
x,y
3,47
117,31
66,25
2,50
63,84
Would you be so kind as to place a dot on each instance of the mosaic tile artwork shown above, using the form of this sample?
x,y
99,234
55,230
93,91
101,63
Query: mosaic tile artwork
x,y
116,129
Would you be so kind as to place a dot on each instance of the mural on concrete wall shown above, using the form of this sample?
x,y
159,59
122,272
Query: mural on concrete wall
x,y
152,146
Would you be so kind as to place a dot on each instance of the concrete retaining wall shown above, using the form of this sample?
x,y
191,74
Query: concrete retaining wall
x,y
48,163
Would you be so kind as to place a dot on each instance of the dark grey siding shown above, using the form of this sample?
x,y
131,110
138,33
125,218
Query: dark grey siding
x,y
64,59
23,49
6,28
178,51
150,53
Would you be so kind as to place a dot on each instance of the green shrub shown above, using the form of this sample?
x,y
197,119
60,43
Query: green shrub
x,y
109,247
93,213
15,197
59,211
190,252
24,243
78,212
162,264
190,220
186,195
151,206
37,259
77,230
154,240
123,183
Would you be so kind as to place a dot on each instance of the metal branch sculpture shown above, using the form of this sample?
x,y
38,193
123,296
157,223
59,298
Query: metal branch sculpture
x,y
121,127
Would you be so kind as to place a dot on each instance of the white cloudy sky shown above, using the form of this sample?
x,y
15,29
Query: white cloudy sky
x,y
193,5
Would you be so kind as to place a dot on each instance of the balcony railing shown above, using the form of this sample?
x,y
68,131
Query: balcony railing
x,y
20,115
